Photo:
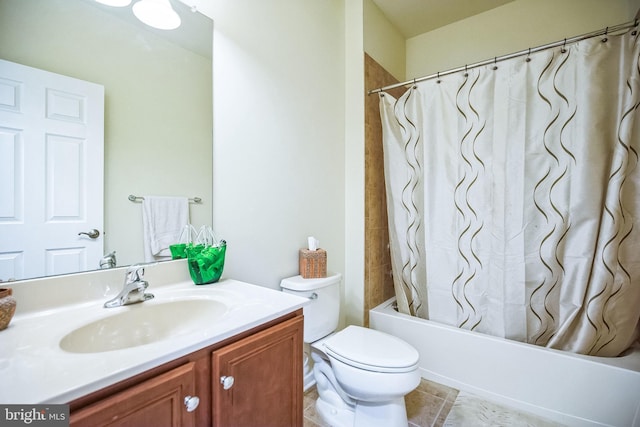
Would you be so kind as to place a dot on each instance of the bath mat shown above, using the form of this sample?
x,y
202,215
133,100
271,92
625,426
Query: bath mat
x,y
471,410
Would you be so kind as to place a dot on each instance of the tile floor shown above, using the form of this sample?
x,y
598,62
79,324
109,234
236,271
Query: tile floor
x,y
427,406
430,404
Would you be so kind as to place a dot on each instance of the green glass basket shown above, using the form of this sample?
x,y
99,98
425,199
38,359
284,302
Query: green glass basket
x,y
206,262
178,251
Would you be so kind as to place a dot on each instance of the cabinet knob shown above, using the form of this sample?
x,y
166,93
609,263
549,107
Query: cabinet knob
x,y
227,382
191,403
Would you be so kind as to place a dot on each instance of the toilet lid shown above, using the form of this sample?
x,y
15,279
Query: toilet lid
x,y
371,350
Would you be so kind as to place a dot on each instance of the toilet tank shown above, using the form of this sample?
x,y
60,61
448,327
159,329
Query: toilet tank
x,y
321,315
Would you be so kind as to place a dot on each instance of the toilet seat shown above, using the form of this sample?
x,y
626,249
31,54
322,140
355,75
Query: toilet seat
x,y
371,350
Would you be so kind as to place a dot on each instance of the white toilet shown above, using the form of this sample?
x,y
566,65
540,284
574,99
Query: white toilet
x,y
362,375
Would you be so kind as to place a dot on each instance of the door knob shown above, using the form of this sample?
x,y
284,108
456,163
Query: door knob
x,y
191,403
91,233
227,382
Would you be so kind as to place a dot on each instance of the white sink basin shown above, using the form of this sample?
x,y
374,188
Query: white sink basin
x,y
143,323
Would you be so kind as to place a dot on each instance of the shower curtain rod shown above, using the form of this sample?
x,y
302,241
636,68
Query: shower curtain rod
x,y
605,31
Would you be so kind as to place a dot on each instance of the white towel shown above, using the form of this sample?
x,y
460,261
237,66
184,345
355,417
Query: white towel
x,y
163,219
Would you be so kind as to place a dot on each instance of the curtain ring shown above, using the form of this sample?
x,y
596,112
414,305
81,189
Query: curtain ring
x,y
495,62
438,81
606,32
529,56
564,46
466,74
414,84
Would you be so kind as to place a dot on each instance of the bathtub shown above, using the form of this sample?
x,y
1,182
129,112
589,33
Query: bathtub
x,y
571,389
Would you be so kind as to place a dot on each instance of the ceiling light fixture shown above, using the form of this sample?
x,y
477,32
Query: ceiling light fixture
x,y
157,14
115,3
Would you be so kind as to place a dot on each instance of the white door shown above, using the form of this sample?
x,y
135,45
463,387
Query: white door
x,y
51,172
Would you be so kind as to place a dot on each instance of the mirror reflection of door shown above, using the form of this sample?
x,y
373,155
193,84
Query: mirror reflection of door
x,y
51,136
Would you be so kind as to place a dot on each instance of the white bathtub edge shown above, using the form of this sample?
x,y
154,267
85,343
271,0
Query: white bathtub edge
x,y
601,384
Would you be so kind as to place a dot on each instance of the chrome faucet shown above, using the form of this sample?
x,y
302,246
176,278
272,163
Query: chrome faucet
x,y
109,260
133,290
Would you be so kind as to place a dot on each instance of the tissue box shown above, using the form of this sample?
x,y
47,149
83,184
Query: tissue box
x,y
313,264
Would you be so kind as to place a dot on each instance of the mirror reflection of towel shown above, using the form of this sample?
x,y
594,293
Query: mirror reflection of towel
x,y
163,219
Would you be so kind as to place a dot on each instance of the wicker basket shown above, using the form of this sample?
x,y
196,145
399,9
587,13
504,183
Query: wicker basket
x,y
313,264
7,307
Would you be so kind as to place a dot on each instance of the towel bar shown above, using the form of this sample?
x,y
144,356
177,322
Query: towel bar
x,y
140,198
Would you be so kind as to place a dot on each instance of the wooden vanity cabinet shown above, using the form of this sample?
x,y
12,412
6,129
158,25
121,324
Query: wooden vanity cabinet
x,y
260,379
266,390
155,402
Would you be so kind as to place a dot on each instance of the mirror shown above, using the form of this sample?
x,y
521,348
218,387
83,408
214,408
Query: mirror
x,y
158,118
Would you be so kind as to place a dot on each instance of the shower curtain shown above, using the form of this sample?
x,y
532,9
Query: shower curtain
x,y
513,197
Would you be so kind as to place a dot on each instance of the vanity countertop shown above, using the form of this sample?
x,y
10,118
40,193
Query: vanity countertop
x,y
34,369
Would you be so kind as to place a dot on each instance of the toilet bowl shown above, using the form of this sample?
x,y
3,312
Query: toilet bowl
x,y
361,374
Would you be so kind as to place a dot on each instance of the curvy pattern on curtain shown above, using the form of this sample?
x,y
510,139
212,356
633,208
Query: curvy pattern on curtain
x,y
513,197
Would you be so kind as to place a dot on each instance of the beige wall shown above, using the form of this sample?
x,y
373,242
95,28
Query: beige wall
x,y
289,108
354,148
510,28
383,42
157,105
279,132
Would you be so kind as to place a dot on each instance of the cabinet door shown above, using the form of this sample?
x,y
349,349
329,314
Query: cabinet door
x,y
267,379
156,402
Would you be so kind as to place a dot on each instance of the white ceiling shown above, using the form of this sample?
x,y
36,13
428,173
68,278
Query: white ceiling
x,y
413,17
